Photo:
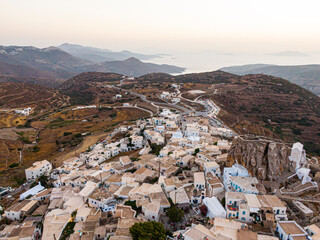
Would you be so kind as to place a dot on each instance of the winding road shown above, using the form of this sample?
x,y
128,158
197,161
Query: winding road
x,y
183,110
144,98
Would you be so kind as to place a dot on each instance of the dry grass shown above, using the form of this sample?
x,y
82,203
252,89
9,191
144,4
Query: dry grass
x,y
148,106
87,142
11,120
51,129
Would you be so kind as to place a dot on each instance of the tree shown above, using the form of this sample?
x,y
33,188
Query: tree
x,y
133,205
155,148
204,210
44,180
196,151
148,231
13,165
175,214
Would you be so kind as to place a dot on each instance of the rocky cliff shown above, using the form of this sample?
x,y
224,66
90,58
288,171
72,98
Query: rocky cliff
x,y
263,158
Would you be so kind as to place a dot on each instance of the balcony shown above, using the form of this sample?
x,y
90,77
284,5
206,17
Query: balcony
x,y
233,207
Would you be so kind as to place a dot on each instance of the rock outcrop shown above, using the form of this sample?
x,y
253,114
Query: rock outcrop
x,y
265,159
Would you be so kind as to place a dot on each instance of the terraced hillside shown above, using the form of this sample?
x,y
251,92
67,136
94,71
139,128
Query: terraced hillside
x,y
88,88
18,95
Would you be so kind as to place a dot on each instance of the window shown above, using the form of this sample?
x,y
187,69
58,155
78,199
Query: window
x,y
243,219
244,212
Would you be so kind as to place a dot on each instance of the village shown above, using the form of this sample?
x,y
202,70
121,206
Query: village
x,y
177,174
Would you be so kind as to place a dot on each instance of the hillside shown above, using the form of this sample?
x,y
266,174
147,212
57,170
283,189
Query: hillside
x,y
204,78
21,73
131,67
52,66
19,95
101,55
86,87
307,76
258,104
59,63
83,80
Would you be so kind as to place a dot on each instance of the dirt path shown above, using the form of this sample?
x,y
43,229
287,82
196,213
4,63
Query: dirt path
x,y
88,141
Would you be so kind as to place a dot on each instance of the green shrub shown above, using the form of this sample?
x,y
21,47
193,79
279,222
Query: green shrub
x,y
35,149
175,214
78,135
148,231
13,165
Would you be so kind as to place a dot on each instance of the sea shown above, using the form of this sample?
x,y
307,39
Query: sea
x,y
210,61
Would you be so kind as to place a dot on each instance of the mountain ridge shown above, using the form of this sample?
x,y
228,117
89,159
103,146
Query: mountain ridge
x,y
307,76
51,66
98,55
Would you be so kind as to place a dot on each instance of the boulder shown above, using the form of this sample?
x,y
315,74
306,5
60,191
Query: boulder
x,y
264,159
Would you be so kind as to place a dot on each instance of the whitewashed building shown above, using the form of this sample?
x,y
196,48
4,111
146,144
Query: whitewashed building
x,y
298,155
290,230
38,169
215,209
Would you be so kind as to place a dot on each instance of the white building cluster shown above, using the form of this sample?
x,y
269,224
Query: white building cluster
x,y
24,112
178,158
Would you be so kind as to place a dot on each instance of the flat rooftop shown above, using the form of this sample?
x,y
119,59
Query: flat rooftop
x,y
291,228
247,235
235,195
274,201
198,177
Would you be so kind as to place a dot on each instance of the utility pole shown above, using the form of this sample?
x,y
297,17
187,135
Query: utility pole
x,y
159,168
20,157
100,180
175,197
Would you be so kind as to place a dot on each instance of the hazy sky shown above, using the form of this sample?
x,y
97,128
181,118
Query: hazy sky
x,y
164,25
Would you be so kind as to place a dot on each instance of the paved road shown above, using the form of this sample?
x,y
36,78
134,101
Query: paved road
x,y
183,110
144,98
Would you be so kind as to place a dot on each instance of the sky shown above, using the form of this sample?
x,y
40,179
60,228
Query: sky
x,y
165,26
225,25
